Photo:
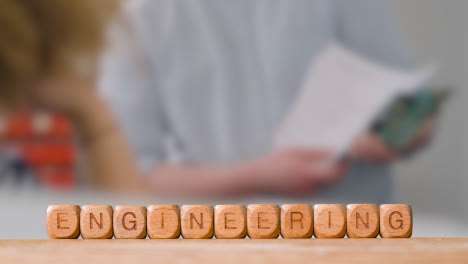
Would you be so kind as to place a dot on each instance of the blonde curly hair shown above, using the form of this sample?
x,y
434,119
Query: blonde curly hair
x,y
37,35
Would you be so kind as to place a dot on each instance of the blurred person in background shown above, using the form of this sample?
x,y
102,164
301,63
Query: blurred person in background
x,y
201,86
48,51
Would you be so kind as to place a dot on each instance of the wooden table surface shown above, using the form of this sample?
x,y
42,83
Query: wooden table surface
x,y
378,250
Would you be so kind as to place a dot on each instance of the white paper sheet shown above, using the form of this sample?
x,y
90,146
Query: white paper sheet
x,y
342,94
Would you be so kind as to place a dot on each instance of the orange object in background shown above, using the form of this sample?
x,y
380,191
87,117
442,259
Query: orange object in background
x,y
49,154
44,141
25,126
64,180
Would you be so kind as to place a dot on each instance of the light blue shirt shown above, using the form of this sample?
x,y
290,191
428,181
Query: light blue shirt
x,y
208,81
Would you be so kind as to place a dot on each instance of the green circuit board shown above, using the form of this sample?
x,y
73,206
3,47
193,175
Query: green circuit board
x,y
402,120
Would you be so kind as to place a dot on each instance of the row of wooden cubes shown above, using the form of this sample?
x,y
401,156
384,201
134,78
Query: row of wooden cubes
x,y
230,221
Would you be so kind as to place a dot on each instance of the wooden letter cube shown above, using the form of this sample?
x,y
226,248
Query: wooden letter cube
x,y
163,221
130,222
96,221
63,221
297,221
396,220
363,220
329,220
230,221
197,221
263,220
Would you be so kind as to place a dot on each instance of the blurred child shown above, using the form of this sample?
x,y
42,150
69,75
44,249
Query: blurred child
x,y
48,52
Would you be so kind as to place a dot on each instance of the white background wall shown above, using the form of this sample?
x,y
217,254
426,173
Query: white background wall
x,y
436,181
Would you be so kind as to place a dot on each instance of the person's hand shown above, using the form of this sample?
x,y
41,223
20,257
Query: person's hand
x,y
423,136
297,171
370,147
66,92
72,95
